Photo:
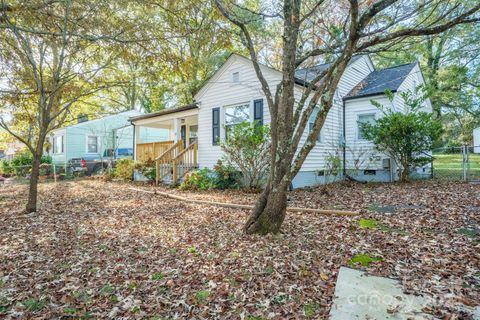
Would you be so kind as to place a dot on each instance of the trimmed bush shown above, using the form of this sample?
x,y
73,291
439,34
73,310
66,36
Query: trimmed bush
x,y
221,177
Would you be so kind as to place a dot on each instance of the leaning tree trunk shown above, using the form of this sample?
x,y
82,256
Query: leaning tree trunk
x,y
33,190
269,212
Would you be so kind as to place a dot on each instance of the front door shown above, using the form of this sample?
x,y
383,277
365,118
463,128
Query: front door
x,y
192,133
183,135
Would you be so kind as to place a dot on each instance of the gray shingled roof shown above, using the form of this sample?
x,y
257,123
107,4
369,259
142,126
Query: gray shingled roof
x,y
380,81
308,74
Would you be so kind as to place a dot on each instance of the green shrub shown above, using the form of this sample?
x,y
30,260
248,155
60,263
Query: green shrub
x,y
198,180
21,164
45,169
404,136
147,169
227,177
221,177
124,169
247,147
150,173
6,168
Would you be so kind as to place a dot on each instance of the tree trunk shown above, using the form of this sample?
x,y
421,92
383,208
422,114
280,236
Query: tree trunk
x,y
33,190
269,211
404,173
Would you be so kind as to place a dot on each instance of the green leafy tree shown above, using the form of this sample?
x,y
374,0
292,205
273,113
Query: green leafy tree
x,y
52,57
404,136
451,66
247,147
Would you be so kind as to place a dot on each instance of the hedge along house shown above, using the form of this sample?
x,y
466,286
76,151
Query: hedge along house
x,y
90,139
233,95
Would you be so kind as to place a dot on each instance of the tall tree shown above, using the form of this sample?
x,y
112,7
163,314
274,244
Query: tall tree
x,y
186,45
52,56
451,66
342,29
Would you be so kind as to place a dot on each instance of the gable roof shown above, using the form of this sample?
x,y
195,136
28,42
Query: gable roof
x,y
165,111
306,75
302,76
379,81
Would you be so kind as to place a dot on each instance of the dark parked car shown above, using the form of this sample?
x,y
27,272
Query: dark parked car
x,y
97,164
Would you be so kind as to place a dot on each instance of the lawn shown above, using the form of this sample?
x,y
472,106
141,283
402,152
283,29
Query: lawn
x,y
451,166
100,250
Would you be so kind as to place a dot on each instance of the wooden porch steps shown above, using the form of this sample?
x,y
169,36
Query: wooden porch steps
x,y
174,163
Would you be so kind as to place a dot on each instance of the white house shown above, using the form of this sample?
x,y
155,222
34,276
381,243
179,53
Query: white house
x,y
233,94
476,140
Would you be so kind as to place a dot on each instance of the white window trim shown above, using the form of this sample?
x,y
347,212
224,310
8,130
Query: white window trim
x,y
54,149
98,144
357,128
223,132
238,77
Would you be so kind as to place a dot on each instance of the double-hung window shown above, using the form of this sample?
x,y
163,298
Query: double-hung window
x,y
92,144
364,118
58,144
234,115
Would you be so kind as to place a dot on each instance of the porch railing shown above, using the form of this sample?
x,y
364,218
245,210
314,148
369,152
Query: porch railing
x,y
184,162
164,162
150,151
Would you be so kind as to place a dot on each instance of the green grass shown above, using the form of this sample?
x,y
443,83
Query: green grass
x,y
367,223
363,259
451,165
201,296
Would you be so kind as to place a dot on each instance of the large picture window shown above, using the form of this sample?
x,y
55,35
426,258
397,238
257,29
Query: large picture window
x,y
364,118
235,115
92,144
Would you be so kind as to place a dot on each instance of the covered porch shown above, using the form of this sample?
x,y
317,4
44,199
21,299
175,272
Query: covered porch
x,y
175,155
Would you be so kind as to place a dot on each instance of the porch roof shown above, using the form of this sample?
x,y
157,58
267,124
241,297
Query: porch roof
x,y
165,112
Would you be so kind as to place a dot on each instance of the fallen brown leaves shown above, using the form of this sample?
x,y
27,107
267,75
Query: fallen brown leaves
x,y
99,250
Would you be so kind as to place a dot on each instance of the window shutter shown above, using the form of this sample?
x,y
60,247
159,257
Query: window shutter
x,y
215,126
258,112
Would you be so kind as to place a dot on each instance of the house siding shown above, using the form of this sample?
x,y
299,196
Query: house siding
x,y
222,91
413,80
332,130
361,154
107,130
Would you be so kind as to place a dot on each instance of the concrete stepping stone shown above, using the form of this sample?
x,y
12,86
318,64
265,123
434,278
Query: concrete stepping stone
x,y
362,296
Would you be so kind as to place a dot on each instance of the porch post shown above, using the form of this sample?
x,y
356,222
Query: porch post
x,y
136,140
176,129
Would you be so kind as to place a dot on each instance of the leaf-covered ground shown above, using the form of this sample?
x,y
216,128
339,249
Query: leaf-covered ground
x,y
99,250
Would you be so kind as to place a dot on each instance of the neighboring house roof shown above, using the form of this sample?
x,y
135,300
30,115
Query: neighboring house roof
x,y
165,111
89,122
308,74
379,81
